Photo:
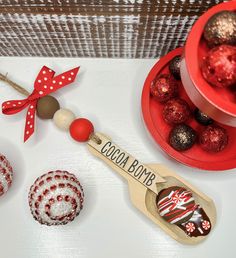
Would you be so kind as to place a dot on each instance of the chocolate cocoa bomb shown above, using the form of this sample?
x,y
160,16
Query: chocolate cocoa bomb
x,y
174,67
202,118
175,204
221,29
198,225
182,137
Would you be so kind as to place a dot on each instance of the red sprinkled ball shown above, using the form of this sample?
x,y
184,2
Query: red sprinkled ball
x,y
81,129
213,138
219,66
56,198
6,174
164,88
176,111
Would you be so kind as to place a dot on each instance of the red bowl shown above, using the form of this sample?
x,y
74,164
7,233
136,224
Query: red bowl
x,y
159,130
218,103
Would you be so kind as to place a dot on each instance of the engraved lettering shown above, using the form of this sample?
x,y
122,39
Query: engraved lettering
x,y
138,171
132,166
150,180
103,150
123,163
110,151
120,157
113,157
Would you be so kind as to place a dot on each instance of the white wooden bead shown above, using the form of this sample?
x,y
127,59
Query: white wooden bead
x,y
63,119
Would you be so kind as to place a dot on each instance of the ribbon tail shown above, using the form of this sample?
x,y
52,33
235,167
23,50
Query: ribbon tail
x,y
30,119
12,107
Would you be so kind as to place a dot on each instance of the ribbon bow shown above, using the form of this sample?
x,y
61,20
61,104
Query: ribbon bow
x,y
44,84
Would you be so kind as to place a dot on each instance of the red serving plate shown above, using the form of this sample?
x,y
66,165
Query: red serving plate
x,y
159,129
219,103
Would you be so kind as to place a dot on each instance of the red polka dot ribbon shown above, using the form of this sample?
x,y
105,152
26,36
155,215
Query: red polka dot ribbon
x,y
44,84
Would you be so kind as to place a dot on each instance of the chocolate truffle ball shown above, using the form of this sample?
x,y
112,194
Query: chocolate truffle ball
x,y
176,111
164,88
47,107
56,198
221,29
182,137
174,67
202,118
219,66
175,204
213,138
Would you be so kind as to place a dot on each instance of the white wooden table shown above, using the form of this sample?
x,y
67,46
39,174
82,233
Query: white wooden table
x,y
108,93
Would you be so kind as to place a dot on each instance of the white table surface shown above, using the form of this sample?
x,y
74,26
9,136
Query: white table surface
x,y
108,93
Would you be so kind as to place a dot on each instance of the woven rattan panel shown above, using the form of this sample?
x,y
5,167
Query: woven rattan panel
x,y
102,28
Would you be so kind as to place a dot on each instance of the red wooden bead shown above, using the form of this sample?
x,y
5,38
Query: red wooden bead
x,y
81,129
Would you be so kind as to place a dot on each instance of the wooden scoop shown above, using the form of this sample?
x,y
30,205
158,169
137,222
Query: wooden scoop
x,y
146,181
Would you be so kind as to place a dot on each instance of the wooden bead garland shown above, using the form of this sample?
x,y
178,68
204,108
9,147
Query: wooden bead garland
x,y
80,129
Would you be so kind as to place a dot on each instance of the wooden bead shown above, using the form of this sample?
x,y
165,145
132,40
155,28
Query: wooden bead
x,y
81,129
63,119
47,107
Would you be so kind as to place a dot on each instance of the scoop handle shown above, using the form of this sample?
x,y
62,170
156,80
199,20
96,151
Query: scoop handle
x,y
123,163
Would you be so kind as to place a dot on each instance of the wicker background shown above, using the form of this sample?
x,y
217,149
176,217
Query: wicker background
x,y
96,28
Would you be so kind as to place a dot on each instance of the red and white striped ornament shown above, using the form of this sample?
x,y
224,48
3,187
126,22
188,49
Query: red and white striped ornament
x,y
6,174
56,198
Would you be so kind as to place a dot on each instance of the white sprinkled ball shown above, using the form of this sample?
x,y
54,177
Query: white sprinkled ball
x,y
63,118
56,198
6,174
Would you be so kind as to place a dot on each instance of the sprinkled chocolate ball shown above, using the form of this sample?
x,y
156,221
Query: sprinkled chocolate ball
x,y
182,137
175,204
174,67
56,198
202,118
221,29
6,174
213,138
164,88
176,111
219,66
47,107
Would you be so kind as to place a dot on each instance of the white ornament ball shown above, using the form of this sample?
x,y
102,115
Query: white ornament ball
x,y
63,119
6,174
56,198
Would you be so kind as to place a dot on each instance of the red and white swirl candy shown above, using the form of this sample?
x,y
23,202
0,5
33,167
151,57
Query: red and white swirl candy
x,y
56,198
6,174
206,224
190,227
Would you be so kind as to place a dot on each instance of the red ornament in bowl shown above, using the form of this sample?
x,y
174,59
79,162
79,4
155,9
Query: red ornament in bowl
x,y
164,87
160,130
176,111
219,66
218,103
213,138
